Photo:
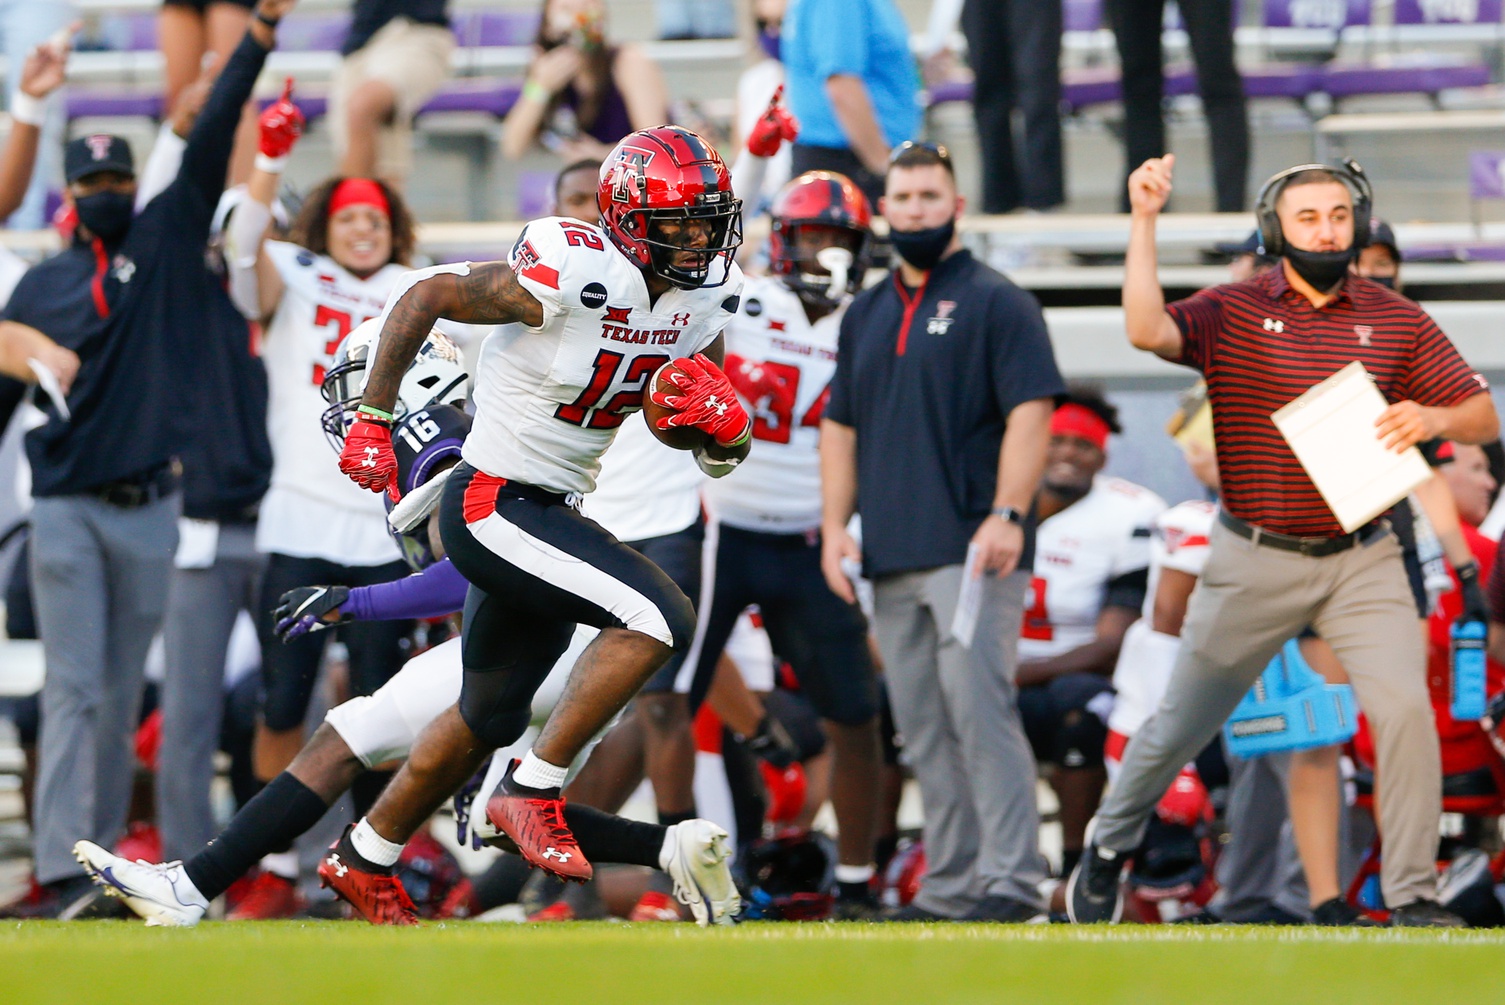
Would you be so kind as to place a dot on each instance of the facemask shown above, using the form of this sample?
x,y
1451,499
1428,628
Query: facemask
x,y
923,248
107,214
1323,269
1388,282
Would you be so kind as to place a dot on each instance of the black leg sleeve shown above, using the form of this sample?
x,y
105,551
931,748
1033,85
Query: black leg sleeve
x,y
279,813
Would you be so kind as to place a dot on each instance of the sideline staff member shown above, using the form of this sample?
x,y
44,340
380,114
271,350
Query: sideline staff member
x,y
936,429
1279,560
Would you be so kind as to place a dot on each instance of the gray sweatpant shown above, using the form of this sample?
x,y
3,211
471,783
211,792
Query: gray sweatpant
x,y
1250,600
202,605
957,711
99,576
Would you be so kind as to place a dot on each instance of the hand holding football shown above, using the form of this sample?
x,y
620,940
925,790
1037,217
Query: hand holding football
x,y
680,437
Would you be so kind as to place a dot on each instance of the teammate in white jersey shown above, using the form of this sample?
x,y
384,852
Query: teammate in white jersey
x,y
1092,555
603,310
765,550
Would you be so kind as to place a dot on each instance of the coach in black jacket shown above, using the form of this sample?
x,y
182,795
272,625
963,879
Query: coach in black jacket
x,y
129,297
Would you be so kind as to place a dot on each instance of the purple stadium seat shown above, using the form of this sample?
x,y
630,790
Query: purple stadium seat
x,y
493,28
1331,14
313,32
114,103
1418,73
1414,12
1082,15
470,94
535,194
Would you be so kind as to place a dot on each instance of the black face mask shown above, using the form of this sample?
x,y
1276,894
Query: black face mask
x,y
107,214
923,248
1388,282
1323,269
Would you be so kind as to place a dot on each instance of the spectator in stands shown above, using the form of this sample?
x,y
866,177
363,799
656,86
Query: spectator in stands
x,y
852,84
1091,573
128,298
25,24
1380,260
756,88
395,58
188,31
941,405
1246,259
1137,27
582,94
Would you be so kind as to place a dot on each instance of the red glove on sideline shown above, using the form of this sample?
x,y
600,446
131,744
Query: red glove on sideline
x,y
705,400
281,124
773,127
368,458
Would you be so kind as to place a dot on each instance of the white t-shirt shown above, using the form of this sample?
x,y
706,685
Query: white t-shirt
x,y
1096,539
771,340
549,399
312,510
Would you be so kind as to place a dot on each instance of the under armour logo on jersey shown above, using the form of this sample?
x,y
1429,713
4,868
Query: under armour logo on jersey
x,y
552,852
370,461
1364,332
340,868
1272,325
680,320
716,404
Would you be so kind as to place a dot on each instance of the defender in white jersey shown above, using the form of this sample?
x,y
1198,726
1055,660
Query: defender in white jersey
x,y
764,542
604,309
348,248
1092,555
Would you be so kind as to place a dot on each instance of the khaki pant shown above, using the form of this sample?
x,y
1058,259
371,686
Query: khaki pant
x,y
413,59
1251,599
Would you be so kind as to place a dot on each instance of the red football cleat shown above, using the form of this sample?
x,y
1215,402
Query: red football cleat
x,y
654,906
377,897
537,827
269,896
557,911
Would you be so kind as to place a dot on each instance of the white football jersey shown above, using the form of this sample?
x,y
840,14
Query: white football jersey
x,y
1103,535
645,489
777,488
312,510
1181,540
549,399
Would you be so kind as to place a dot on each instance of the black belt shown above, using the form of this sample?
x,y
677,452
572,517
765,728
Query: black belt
x,y
1312,547
133,493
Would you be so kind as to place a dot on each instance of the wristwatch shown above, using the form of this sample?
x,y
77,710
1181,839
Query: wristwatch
x,y
1010,514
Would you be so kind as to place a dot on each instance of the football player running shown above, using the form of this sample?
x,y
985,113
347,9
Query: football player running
x,y
603,310
368,732
765,539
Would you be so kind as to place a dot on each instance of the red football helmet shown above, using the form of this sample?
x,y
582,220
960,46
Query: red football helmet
x,y
823,199
667,174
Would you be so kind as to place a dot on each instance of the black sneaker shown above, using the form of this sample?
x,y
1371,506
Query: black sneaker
x,y
857,908
1339,913
1093,894
910,913
1005,911
1422,913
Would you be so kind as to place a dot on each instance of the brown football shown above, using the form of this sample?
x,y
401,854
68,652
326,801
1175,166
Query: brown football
x,y
681,438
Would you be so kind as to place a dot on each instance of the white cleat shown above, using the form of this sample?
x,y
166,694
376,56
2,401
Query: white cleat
x,y
161,894
699,856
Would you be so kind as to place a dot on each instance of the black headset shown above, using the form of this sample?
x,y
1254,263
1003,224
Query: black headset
x,y
1273,240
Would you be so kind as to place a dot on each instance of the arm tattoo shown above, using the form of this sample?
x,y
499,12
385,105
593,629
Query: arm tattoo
x,y
484,294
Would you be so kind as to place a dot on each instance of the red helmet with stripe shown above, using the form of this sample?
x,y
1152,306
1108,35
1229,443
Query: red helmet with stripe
x,y
820,199
662,191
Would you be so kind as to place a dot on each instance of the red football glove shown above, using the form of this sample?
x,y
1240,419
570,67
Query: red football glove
x,y
281,124
368,458
704,398
773,127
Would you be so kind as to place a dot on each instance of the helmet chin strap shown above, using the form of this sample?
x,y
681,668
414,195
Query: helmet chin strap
x,y
838,262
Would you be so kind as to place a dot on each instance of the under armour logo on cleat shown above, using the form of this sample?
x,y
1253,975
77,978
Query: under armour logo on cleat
x,y
1271,325
552,852
340,868
716,404
370,461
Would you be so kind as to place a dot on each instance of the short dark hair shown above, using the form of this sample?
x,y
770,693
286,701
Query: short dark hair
x,y
911,154
1091,397
311,228
1314,176
585,164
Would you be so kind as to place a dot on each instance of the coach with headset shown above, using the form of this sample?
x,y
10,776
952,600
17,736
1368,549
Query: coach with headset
x,y
1279,560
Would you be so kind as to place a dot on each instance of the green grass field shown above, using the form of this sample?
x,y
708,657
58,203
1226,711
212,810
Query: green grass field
x,y
282,963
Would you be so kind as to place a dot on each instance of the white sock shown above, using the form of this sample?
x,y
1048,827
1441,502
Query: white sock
x,y
283,864
854,873
372,846
671,845
536,773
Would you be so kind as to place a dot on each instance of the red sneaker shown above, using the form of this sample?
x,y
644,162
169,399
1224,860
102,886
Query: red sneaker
x,y
269,896
537,827
377,897
654,906
557,911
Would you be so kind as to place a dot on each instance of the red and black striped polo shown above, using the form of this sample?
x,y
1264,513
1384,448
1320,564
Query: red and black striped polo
x,y
1261,344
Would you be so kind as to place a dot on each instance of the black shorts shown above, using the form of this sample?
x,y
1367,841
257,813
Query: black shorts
x,y
679,555
1061,728
290,669
537,568
822,637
